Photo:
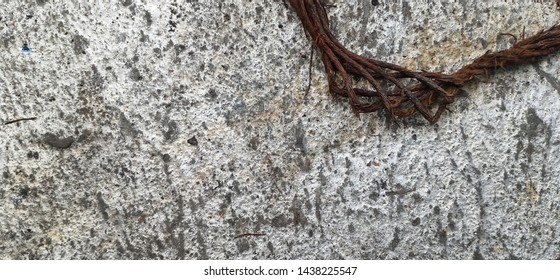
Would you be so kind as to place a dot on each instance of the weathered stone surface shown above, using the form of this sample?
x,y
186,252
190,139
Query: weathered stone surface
x,y
166,128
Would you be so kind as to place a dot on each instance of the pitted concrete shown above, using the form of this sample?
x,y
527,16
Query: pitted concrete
x,y
166,129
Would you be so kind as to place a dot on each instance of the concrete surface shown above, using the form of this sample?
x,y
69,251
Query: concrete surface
x,y
164,129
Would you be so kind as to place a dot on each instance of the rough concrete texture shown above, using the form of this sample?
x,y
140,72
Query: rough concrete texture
x,y
167,128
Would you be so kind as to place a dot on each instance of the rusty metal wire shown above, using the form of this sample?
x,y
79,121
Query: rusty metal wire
x,y
400,91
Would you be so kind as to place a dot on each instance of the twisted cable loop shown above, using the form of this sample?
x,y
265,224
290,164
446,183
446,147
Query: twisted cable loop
x,y
400,91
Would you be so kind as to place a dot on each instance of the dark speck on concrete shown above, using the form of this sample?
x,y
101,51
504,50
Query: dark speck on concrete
x,y
157,52
148,18
102,206
132,9
243,245
351,228
279,221
135,74
166,158
211,94
172,26
32,154
396,240
322,178
442,235
450,222
126,126
477,255
518,149
193,205
58,142
534,123
80,44
171,130
193,141
318,193
179,49
24,192
300,136
254,143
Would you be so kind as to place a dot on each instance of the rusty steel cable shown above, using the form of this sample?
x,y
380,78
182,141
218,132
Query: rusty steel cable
x,y
400,91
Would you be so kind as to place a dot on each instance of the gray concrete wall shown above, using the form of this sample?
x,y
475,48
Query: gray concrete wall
x,y
167,128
